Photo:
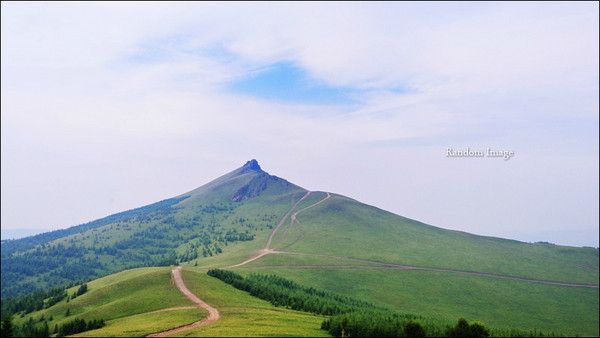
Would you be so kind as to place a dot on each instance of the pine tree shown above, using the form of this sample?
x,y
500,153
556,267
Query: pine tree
x,y
6,327
45,330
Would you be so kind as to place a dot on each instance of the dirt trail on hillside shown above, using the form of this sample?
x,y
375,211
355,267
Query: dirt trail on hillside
x,y
369,264
213,314
267,249
268,246
293,218
177,308
259,254
385,265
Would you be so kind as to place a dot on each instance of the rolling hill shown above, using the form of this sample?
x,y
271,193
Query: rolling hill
x,y
143,301
250,221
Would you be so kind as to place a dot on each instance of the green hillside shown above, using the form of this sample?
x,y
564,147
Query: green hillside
x,y
138,302
128,298
323,240
202,222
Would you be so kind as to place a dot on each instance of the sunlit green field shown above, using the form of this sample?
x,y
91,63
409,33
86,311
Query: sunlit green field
x,y
244,315
344,227
501,304
123,300
132,301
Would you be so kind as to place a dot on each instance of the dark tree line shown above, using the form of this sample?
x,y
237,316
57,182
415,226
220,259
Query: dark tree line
x,y
374,324
79,325
155,234
33,302
282,292
349,317
10,246
41,328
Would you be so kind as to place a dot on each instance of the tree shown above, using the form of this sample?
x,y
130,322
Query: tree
x,y
463,329
413,329
82,289
6,327
45,330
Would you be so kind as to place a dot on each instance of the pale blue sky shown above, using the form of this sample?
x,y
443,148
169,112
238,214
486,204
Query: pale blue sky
x,y
106,107
286,82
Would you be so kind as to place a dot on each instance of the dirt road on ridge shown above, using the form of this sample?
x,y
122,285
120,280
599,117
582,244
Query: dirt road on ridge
x,y
267,249
376,264
293,218
213,314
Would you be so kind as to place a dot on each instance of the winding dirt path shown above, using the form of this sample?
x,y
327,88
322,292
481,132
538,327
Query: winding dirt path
x,y
267,249
259,254
369,264
268,246
293,218
213,314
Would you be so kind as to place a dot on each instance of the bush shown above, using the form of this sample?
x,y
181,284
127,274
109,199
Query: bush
x,y
79,325
463,329
413,329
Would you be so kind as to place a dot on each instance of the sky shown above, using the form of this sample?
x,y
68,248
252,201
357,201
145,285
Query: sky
x,y
110,106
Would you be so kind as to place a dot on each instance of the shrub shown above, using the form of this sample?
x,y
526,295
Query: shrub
x,y
463,329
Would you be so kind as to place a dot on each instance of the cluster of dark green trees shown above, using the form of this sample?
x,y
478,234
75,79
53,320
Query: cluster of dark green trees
x,y
39,328
282,292
79,325
390,324
349,317
62,264
154,237
33,302
10,246
374,324
38,300
80,291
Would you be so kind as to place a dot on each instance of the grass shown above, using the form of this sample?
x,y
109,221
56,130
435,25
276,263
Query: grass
x,y
344,227
143,324
245,316
123,300
129,301
501,304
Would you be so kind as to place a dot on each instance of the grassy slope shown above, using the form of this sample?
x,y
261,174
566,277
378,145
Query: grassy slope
x,y
502,304
344,227
123,299
187,228
129,301
244,315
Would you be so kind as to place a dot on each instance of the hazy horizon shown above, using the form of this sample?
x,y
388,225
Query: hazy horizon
x,y
108,107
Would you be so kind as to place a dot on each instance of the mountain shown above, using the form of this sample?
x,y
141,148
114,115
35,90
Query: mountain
x,y
201,222
251,221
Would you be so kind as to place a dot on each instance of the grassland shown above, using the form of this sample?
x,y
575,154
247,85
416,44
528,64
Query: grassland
x,y
501,304
124,300
344,227
133,304
340,227
245,316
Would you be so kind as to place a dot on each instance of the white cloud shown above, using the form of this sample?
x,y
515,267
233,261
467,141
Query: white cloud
x,y
101,90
